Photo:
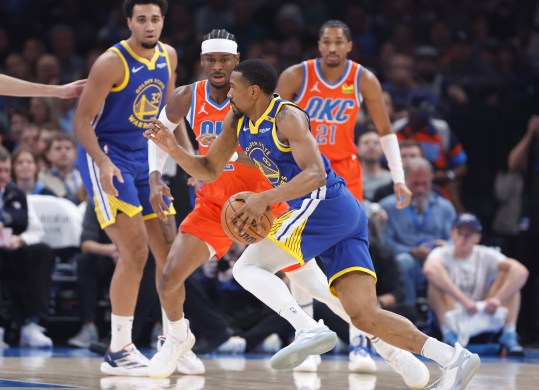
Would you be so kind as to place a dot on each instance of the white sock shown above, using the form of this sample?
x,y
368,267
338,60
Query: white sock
x,y
121,327
177,329
304,300
291,312
435,350
384,349
164,321
510,328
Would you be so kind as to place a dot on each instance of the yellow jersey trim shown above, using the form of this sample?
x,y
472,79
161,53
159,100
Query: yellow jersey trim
x,y
151,63
171,211
167,58
287,250
115,206
280,146
348,270
253,128
126,70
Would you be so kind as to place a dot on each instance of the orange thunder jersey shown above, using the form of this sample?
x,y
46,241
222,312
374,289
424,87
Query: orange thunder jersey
x,y
206,116
333,108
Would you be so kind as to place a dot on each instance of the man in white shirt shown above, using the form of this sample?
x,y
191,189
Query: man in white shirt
x,y
477,280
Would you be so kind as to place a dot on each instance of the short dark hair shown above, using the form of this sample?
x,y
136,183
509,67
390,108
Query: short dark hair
x,y
4,154
336,24
221,34
258,72
130,4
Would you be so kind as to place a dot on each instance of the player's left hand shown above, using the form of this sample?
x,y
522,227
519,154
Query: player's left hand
x,y
251,212
403,195
161,136
158,190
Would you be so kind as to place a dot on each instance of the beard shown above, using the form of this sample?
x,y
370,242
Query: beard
x,y
148,45
219,86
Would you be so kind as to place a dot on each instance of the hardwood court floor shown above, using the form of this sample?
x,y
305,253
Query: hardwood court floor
x,y
69,368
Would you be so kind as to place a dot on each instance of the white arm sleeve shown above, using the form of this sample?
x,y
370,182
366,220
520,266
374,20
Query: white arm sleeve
x,y
157,156
390,146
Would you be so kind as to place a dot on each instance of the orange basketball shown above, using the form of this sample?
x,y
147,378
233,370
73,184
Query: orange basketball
x,y
252,235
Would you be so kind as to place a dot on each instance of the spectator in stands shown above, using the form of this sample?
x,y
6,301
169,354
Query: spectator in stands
x,y
95,266
23,257
62,177
370,155
409,149
400,79
414,231
524,158
472,282
438,143
29,136
46,132
25,173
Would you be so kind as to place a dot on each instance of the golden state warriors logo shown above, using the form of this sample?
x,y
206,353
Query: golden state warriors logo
x,y
147,102
265,165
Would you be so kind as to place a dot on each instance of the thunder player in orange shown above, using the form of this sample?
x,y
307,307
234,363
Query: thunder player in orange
x,y
331,89
127,86
204,104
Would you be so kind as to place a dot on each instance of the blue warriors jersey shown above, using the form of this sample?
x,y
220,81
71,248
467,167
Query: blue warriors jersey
x,y
119,128
328,222
273,158
130,105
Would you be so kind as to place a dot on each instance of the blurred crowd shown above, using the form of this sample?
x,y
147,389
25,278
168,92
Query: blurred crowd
x,y
461,86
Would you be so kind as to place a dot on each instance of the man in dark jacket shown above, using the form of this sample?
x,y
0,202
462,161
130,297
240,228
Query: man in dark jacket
x,y
23,258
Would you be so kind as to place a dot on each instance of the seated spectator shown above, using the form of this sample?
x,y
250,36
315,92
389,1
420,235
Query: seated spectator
x,y
370,154
470,281
95,266
62,177
414,231
23,257
25,173
438,143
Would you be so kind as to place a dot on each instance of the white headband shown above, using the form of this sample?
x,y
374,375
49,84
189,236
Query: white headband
x,y
219,45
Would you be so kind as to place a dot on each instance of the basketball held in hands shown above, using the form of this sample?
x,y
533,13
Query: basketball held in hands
x,y
252,235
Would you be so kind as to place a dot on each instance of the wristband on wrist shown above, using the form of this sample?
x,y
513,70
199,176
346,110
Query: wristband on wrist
x,y
171,126
390,146
234,157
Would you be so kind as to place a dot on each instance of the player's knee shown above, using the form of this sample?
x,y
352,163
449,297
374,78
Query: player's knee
x,y
240,270
365,318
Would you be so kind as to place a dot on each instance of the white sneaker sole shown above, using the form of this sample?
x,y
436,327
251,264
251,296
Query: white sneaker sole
x,y
468,372
186,346
294,354
122,371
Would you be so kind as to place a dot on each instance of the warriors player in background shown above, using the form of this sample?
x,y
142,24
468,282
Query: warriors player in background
x,y
331,89
127,85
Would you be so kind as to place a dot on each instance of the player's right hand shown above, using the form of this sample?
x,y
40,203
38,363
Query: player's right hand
x,y
158,190
107,172
161,136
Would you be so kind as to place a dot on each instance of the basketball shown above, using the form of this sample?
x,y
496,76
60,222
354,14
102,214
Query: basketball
x,y
252,235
